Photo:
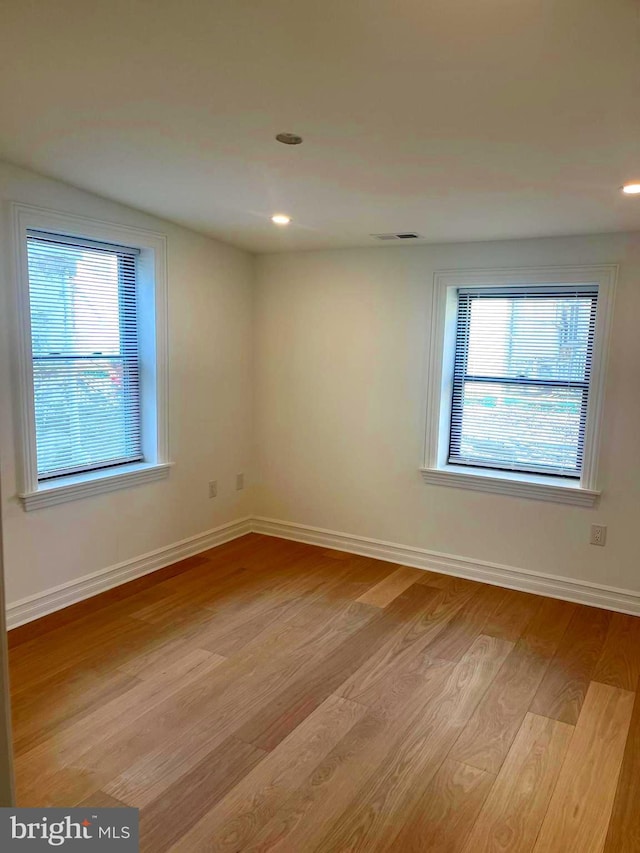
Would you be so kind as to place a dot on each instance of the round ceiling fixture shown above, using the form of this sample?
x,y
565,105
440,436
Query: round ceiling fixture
x,y
632,189
289,138
281,219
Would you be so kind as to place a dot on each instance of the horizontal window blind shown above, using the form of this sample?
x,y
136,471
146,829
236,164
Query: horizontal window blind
x,y
521,378
82,297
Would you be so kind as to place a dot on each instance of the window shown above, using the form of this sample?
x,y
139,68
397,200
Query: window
x,y
84,341
521,379
517,381
92,341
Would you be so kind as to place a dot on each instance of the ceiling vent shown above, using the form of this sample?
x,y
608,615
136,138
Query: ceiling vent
x,y
402,235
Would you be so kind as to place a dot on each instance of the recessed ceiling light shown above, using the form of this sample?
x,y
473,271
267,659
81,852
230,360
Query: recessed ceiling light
x,y
289,138
281,219
632,189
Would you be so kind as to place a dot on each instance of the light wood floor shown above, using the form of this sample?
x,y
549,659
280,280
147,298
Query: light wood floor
x,y
273,696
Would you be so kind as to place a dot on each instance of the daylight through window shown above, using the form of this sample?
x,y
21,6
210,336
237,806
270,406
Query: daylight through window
x,y
521,378
82,297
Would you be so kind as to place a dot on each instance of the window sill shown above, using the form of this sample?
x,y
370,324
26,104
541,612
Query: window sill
x,y
80,486
537,488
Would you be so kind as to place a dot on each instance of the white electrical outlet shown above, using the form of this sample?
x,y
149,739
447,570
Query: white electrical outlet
x,y
239,482
213,488
598,534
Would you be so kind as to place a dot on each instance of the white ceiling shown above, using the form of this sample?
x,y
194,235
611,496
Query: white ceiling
x,y
459,119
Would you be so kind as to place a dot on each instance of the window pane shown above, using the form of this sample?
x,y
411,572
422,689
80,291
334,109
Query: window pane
x,y
74,300
85,360
82,413
521,427
532,337
521,379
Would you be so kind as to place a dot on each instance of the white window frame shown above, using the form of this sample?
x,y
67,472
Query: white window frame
x,y
152,297
436,469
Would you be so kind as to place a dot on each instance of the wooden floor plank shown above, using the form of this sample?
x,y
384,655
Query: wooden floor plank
x,y
515,808
430,578
491,730
308,815
233,629
208,714
96,645
375,816
100,800
619,663
195,793
488,736
581,804
412,640
361,575
450,582
237,583
236,819
565,684
623,835
199,596
62,700
546,629
390,587
40,769
234,632
273,722
512,616
445,814
466,625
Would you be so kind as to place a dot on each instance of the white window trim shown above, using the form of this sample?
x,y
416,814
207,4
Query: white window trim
x,y
155,401
436,470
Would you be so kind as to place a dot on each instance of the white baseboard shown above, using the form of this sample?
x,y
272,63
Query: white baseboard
x,y
41,604
553,586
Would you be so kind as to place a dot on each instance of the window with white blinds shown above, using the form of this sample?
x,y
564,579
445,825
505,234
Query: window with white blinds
x,y
523,359
86,377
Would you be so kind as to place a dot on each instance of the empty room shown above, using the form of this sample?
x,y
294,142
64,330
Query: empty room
x,y
320,426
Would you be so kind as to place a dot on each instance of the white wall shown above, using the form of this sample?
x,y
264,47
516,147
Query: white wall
x,y
338,344
210,336
341,361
